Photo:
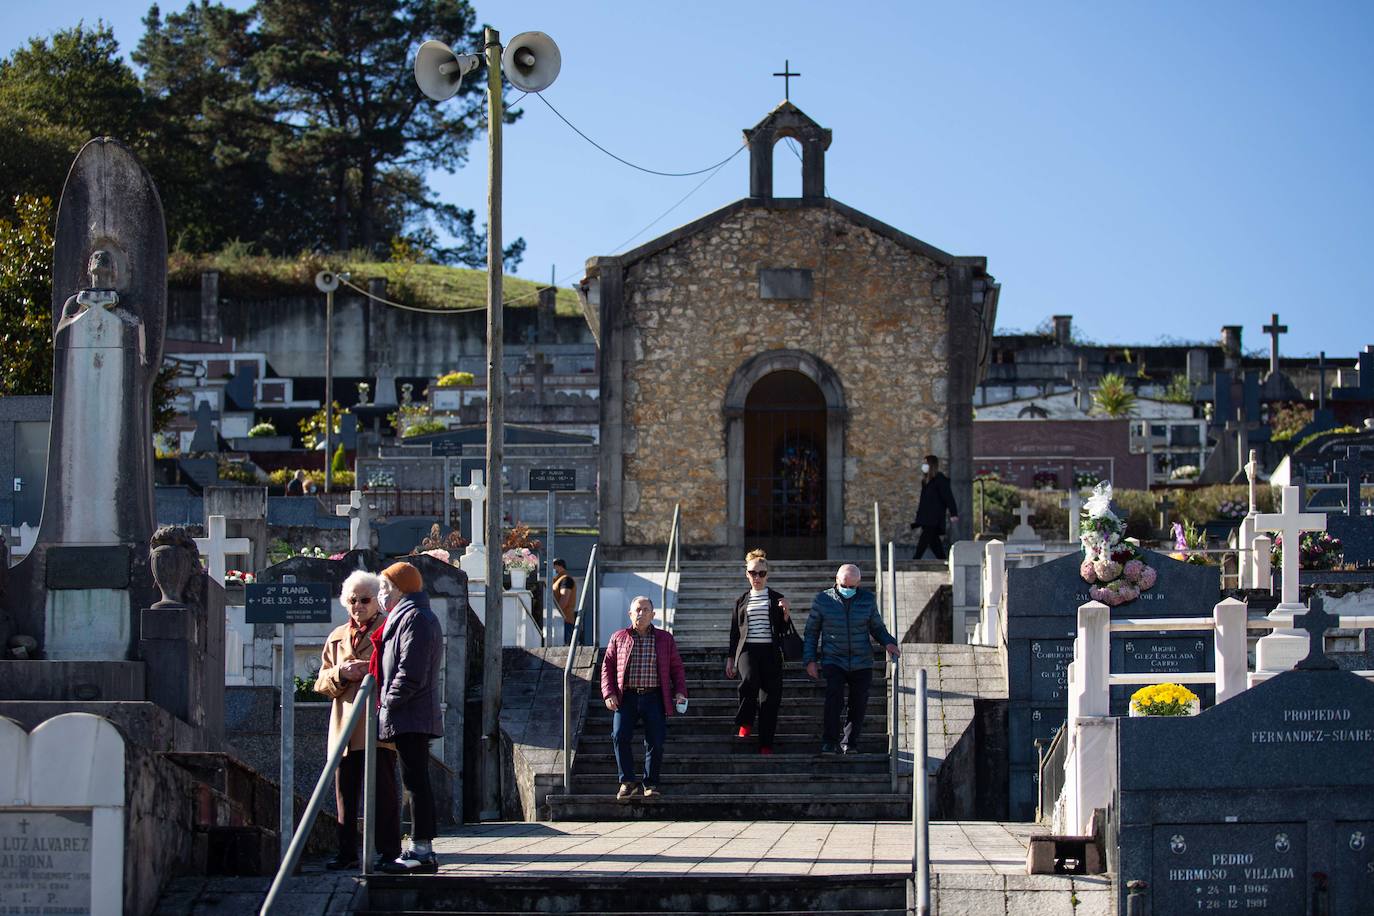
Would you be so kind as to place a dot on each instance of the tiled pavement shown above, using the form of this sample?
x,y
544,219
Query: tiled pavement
x,y
730,848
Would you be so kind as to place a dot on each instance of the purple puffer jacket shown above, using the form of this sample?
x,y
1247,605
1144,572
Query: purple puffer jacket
x,y
412,648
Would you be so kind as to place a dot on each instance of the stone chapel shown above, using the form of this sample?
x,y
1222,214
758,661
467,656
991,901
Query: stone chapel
x,y
780,365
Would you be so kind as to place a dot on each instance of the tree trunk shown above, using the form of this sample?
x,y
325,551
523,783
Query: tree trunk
x,y
367,181
341,207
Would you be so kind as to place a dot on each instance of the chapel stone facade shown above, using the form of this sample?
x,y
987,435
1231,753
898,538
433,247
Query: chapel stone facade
x,y
779,366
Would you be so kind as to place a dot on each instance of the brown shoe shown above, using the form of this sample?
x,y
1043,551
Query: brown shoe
x,y
627,789
652,792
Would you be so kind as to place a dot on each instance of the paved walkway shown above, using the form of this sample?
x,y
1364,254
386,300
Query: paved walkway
x,y
730,848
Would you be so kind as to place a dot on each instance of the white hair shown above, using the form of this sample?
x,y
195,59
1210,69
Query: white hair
x,y
640,598
844,572
360,580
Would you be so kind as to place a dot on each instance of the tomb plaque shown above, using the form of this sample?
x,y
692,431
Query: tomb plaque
x,y
1352,872
1165,655
1049,665
1223,868
45,861
89,567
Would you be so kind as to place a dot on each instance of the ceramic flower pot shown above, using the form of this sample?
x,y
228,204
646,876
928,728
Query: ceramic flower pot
x,y
518,577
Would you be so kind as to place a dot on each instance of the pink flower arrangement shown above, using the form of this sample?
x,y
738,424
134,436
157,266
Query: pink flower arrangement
x,y
238,577
439,554
1113,567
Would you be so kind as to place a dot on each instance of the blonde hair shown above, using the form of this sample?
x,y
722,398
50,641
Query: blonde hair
x,y
753,555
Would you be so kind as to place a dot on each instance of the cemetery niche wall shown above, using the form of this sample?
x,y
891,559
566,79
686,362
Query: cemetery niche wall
x,y
1264,802
1042,617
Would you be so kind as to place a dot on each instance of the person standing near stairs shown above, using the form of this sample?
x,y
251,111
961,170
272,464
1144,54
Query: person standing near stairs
x,y
842,619
642,677
756,630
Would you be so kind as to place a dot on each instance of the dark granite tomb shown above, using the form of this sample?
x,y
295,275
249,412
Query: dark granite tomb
x,y
1042,618
1242,807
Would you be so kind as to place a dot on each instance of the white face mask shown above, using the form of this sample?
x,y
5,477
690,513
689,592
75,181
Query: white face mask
x,y
925,469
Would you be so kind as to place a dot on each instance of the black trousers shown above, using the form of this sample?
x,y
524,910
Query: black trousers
x,y
933,539
413,749
348,785
760,689
838,682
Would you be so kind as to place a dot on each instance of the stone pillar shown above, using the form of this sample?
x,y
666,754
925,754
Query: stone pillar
x,y
1230,648
209,306
548,302
184,651
1230,345
1089,695
1063,329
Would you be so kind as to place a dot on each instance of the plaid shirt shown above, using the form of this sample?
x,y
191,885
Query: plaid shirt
x,y
642,671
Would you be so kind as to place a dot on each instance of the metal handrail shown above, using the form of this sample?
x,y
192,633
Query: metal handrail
x,y
589,585
920,815
894,719
671,562
362,703
877,555
1051,762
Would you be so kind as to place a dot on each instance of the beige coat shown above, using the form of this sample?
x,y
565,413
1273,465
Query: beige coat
x,y
338,651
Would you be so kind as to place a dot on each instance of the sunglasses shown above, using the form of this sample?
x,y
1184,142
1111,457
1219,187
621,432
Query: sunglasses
x,y
357,600
757,573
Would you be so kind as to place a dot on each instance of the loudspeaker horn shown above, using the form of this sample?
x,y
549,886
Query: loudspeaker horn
x,y
531,61
439,71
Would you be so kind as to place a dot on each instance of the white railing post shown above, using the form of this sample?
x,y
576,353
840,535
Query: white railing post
x,y
1261,570
877,557
1245,542
994,577
1229,647
1093,656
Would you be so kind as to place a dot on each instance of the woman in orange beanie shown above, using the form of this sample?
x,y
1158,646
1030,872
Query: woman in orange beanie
x,y
410,647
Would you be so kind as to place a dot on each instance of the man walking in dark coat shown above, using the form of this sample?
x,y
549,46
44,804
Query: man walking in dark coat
x,y
936,499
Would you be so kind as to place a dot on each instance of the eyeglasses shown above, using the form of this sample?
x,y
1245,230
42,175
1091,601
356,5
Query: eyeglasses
x,y
757,573
359,600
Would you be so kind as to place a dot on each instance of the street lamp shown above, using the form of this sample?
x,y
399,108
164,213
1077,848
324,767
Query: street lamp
x,y
531,61
327,282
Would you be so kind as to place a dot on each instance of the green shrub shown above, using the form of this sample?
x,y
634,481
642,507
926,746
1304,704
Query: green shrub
x,y
262,430
424,427
237,471
339,462
1114,397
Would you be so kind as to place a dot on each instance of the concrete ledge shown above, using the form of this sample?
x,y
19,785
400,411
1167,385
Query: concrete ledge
x,y
80,681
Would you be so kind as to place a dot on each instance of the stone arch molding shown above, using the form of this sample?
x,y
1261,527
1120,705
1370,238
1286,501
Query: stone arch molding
x,y
836,410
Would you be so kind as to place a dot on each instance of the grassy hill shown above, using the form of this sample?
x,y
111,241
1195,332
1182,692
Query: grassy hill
x,y
251,276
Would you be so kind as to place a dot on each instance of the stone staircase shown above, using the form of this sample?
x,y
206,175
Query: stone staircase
x,y
708,773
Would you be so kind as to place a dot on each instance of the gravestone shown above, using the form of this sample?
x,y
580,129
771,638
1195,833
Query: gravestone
x,y
1023,533
1245,806
1042,618
1355,530
245,513
400,536
109,315
204,439
62,813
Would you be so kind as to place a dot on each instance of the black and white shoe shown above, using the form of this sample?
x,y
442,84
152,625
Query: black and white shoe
x,y
412,863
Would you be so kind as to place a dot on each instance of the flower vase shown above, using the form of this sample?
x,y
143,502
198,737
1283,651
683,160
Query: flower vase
x,y
518,577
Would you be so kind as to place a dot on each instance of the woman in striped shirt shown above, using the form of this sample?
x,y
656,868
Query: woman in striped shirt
x,y
756,631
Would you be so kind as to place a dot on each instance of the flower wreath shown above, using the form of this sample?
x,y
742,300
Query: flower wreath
x,y
1112,566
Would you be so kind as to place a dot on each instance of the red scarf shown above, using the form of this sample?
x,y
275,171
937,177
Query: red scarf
x,y
374,664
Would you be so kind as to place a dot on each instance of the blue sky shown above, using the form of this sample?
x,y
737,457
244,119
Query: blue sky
x,y
1154,169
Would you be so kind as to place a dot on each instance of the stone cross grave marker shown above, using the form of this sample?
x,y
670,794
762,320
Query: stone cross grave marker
x,y
1023,532
1316,622
1290,523
358,510
215,547
474,561
1164,505
1073,501
1274,329
62,812
204,438
1354,466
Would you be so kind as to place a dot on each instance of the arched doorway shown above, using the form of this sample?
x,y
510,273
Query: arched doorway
x,y
784,466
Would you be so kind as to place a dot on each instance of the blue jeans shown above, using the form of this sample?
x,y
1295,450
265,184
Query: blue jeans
x,y
568,632
633,708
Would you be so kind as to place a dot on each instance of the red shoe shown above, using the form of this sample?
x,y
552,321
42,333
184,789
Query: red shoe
x,y
766,750
745,731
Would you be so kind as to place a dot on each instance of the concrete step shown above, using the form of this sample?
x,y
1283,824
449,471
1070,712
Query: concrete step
x,y
647,893
704,785
796,807
744,759
724,743
804,705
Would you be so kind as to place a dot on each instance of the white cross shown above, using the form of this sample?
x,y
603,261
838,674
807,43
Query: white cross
x,y
1251,472
476,494
1291,523
1024,512
215,547
359,513
1074,503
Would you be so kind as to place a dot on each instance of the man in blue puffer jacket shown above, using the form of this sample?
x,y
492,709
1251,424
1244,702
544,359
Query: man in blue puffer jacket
x,y
842,618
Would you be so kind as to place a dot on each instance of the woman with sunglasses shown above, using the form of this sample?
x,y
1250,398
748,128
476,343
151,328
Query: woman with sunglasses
x,y
756,631
343,664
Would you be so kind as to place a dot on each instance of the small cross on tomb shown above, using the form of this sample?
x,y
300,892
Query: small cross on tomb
x,y
476,494
215,547
1251,473
358,510
1290,524
1322,366
1024,512
786,75
1164,505
1082,396
1242,430
1073,501
1274,329
24,825
1316,622
1354,466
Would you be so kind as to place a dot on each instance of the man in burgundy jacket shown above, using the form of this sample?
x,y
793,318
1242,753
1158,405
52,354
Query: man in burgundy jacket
x,y
642,678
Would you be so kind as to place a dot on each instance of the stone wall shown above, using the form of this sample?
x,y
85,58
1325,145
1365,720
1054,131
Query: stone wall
x,y
693,316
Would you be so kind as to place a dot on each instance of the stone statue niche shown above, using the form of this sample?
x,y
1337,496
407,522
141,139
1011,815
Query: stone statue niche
x,y
78,590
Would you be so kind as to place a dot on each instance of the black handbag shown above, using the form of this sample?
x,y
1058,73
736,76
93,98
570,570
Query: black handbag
x,y
791,643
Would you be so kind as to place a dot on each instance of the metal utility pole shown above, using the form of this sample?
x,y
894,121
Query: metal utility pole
x,y
329,388
495,591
